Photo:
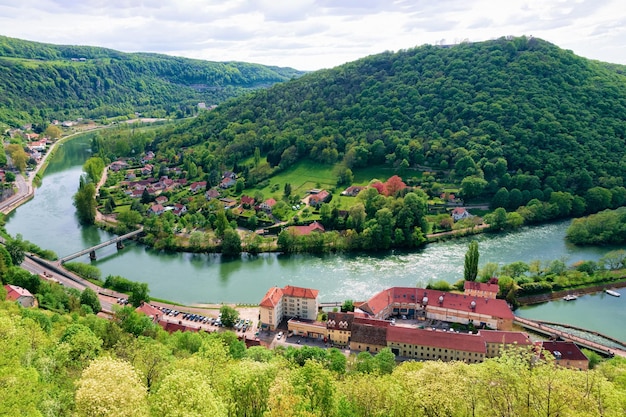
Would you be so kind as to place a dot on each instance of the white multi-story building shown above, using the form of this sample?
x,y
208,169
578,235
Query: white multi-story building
x,y
288,302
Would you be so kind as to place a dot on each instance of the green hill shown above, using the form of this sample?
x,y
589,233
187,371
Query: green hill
x,y
39,82
519,113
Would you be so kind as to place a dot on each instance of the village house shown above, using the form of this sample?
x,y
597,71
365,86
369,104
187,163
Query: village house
x,y
197,186
160,199
353,190
117,166
287,302
267,205
39,145
308,229
229,174
149,156
21,295
157,209
229,203
211,194
320,197
179,209
147,169
339,326
566,354
247,201
227,183
460,213
154,313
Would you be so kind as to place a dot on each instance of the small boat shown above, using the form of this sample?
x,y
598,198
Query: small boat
x,y
570,297
613,293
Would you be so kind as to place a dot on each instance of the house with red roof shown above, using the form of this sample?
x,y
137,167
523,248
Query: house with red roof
x,y
21,295
179,209
288,302
353,190
227,182
156,209
267,205
197,186
317,199
565,354
211,194
160,199
369,335
460,213
308,229
154,313
247,201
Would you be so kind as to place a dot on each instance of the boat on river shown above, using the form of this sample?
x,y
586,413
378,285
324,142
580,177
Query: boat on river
x,y
570,297
613,293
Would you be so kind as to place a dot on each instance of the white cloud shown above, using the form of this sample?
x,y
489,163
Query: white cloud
x,y
312,34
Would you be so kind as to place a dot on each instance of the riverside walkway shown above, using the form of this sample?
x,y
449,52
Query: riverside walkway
x,y
92,250
547,330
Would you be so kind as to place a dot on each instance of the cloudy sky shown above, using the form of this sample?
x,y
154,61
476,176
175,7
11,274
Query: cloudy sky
x,y
313,34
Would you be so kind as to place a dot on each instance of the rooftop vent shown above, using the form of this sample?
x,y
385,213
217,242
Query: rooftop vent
x,y
473,305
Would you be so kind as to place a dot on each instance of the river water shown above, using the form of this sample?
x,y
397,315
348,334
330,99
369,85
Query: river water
x,y
49,221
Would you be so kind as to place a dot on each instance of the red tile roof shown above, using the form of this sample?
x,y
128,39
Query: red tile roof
x,y
14,292
568,350
481,286
247,200
300,292
452,301
507,338
149,311
272,297
444,340
175,327
306,230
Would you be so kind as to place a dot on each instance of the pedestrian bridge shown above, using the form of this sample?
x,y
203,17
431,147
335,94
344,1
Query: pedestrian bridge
x,y
92,250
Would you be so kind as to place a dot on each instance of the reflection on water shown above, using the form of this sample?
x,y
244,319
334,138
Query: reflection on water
x,y
49,221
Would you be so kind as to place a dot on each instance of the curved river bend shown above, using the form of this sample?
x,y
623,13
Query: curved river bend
x,y
49,221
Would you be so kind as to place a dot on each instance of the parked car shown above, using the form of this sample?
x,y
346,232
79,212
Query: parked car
x,y
280,334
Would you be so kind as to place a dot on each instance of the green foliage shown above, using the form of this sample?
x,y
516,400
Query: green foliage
x,y
347,305
229,316
16,248
84,270
85,202
90,298
605,228
470,270
41,81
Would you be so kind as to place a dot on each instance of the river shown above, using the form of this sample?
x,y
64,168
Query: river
x,y
49,221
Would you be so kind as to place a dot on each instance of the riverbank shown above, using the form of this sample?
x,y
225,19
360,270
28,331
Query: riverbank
x,y
557,295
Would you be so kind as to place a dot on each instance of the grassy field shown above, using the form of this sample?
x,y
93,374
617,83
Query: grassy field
x,y
302,176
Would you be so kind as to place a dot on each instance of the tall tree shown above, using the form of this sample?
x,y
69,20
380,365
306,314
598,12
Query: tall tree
x,y
85,202
471,262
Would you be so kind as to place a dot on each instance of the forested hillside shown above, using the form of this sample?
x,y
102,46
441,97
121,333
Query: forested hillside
x,y
40,82
519,113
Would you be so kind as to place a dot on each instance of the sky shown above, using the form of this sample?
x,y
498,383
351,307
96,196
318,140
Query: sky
x,y
313,34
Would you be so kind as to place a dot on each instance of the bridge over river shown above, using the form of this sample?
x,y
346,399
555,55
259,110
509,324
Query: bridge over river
x,y
92,250
602,344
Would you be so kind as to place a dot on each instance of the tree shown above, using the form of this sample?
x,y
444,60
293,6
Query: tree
x,y
347,305
231,242
16,249
186,393
110,388
471,262
139,294
229,316
85,203
472,187
18,156
53,132
90,298
287,190
385,361
94,167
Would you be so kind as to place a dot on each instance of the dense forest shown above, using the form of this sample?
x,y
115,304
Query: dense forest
x,y
56,364
40,82
517,114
